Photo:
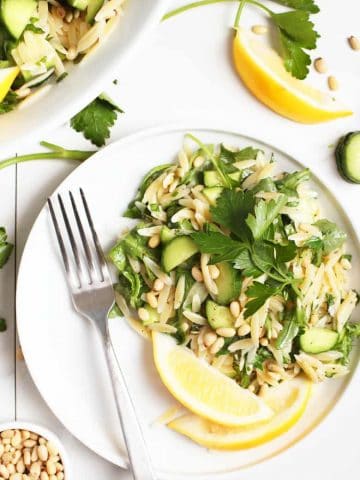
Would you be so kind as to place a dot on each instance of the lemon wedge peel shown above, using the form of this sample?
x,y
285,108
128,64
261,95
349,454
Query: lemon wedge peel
x,y
263,73
203,389
218,437
7,77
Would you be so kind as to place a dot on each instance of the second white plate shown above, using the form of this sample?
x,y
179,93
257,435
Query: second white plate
x,y
62,350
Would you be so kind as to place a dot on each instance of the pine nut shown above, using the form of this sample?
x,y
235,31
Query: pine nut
x,y
52,477
60,476
16,457
264,342
333,83
35,470
251,388
11,468
217,345
198,161
235,308
52,449
214,272
210,338
43,453
20,466
151,299
34,436
7,447
44,476
25,434
29,443
320,65
196,273
34,454
185,327
259,29
50,467
226,332
354,42
16,476
263,389
7,434
244,330
59,467
4,472
16,439
6,441
27,457
6,458
42,441
144,316
2,448
154,241
158,285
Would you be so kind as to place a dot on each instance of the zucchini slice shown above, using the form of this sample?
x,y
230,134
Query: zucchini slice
x,y
318,340
218,316
177,251
347,156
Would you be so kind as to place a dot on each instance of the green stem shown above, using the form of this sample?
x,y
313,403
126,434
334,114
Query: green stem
x,y
56,152
202,3
238,13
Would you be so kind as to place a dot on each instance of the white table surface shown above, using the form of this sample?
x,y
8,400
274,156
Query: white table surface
x,y
185,75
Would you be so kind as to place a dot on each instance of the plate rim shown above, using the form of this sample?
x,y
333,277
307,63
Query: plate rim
x,y
182,127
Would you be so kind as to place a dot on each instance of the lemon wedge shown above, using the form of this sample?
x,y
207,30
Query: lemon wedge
x,y
288,401
262,71
202,388
7,76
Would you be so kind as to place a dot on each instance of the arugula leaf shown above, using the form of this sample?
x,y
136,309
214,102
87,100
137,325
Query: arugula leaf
x,y
259,293
348,335
306,5
231,210
298,28
96,119
5,247
287,334
265,214
291,181
3,325
261,356
222,247
9,102
228,156
333,237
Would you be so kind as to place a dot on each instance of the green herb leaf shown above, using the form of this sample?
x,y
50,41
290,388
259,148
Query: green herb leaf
x,y
96,120
231,211
9,103
333,237
245,262
348,335
222,248
306,5
287,334
259,293
289,183
265,214
296,61
3,325
261,356
298,28
5,247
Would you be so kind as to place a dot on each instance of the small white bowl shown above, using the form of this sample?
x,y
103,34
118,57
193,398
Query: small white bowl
x,y
43,432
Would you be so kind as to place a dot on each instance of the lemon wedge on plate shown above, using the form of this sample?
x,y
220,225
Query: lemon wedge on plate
x,y
7,76
262,71
203,389
288,401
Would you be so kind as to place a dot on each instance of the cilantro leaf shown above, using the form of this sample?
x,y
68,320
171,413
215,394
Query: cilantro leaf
x,y
231,211
96,119
265,214
5,247
222,247
298,28
259,293
306,5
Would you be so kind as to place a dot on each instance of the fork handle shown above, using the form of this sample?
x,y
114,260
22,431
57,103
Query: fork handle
x,y
140,463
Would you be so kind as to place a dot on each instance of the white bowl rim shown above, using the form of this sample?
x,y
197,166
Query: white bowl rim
x,y
44,432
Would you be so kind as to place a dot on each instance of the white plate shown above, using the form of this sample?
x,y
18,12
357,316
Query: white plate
x,y
63,354
57,103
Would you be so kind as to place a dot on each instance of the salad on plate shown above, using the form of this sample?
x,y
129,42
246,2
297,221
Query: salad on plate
x,y
40,39
243,286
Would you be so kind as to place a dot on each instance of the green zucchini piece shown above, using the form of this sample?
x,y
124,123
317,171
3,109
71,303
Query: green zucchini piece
x,y
317,340
167,234
218,316
178,251
154,316
212,178
93,7
16,15
212,194
347,156
228,283
79,4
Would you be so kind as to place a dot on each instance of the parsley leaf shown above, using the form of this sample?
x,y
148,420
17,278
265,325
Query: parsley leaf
x,y
5,247
306,5
9,103
96,119
333,237
222,247
231,211
265,214
298,28
258,293
289,183
261,356
348,335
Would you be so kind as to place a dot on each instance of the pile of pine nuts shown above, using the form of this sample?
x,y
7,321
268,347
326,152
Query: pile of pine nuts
x,y
25,455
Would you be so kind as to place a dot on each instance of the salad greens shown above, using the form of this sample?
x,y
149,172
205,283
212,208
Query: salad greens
x,y
223,212
5,247
294,28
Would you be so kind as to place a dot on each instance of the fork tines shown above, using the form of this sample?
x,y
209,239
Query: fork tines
x,y
88,264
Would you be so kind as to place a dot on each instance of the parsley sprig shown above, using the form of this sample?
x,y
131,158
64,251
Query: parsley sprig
x,y
295,29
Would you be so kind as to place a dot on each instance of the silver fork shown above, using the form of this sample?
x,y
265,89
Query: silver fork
x,y
93,296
